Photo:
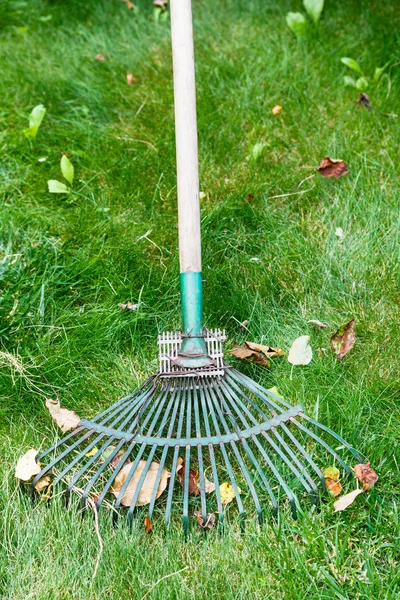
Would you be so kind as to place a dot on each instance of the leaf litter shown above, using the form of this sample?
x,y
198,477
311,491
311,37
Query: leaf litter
x,y
148,485
65,419
343,340
332,167
194,479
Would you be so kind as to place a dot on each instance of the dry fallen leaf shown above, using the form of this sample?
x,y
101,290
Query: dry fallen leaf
x,y
339,233
194,479
208,523
130,79
27,467
245,352
332,167
267,350
128,306
318,323
300,352
276,110
148,525
65,419
43,483
128,3
366,475
334,487
227,492
363,100
161,3
146,491
346,500
331,473
243,325
343,340
100,57
92,452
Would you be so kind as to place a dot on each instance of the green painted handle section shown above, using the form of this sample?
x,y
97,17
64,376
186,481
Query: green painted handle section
x,y
192,302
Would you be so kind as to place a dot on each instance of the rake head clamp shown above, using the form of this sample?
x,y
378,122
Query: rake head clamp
x,y
196,407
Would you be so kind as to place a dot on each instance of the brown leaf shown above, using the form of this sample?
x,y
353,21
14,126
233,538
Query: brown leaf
x,y
100,57
276,110
346,500
249,197
332,167
363,100
194,479
333,486
210,521
147,488
343,340
255,356
267,350
241,351
243,325
366,475
148,525
27,467
128,3
65,419
128,306
130,79
318,323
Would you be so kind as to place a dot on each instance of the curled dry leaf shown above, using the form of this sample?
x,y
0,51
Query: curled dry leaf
x,y
227,492
331,473
128,306
209,521
130,79
363,100
43,483
267,350
243,325
27,467
343,340
318,323
148,486
128,3
194,479
100,57
366,475
148,525
346,500
65,419
300,352
277,109
245,352
332,167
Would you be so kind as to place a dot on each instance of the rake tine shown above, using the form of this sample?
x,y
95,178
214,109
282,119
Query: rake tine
x,y
175,459
200,456
226,459
258,391
212,459
339,438
59,443
185,515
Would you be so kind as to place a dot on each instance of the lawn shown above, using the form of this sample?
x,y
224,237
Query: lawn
x,y
270,255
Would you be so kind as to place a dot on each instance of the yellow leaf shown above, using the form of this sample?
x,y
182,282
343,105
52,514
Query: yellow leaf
x,y
27,467
43,483
276,110
92,452
227,492
332,473
148,486
346,500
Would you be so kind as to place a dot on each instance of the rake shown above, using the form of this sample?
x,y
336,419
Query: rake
x,y
196,408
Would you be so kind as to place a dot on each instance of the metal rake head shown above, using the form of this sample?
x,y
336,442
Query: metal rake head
x,y
230,426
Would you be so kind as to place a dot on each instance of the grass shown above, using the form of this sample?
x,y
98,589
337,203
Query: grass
x,y
66,263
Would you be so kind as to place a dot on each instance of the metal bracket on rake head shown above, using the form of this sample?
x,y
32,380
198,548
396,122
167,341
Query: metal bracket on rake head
x,y
170,343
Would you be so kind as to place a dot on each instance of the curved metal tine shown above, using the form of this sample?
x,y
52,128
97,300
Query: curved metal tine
x,y
150,460
121,413
200,454
157,408
229,394
265,417
338,437
185,511
174,401
291,497
324,444
239,458
202,385
182,393
60,442
259,391
306,455
226,458
86,436
105,464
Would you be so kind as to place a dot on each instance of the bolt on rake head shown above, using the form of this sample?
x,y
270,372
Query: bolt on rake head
x,y
244,434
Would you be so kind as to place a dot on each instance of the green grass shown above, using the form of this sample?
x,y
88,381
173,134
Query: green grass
x,y
66,263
